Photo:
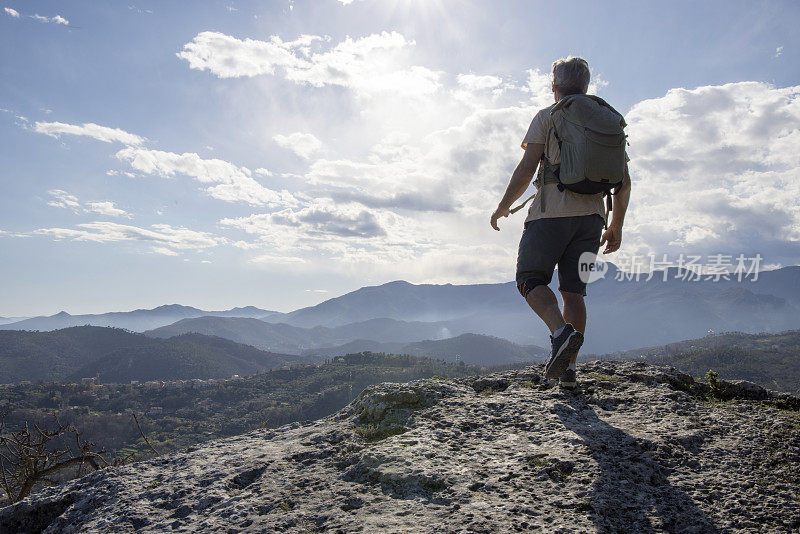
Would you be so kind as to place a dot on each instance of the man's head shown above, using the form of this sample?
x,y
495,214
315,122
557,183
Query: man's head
x,y
570,76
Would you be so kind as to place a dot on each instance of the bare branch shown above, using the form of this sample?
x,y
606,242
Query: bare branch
x,y
143,436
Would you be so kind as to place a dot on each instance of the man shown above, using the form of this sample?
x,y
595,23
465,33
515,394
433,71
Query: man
x,y
561,226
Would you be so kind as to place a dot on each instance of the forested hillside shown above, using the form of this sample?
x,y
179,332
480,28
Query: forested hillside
x,y
772,360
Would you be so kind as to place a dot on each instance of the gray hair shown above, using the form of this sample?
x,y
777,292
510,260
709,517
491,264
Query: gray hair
x,y
571,75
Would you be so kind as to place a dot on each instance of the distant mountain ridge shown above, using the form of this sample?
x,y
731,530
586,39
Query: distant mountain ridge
x,y
294,339
624,313
135,320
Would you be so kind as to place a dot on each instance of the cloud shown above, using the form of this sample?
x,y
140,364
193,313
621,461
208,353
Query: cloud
x,y
113,172
275,259
58,19
160,235
139,10
12,12
62,199
105,208
233,183
165,251
369,65
302,144
714,170
319,220
95,131
476,83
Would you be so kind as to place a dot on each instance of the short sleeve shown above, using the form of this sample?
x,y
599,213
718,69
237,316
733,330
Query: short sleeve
x,y
538,130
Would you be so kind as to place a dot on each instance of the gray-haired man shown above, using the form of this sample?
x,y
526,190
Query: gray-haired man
x,y
561,225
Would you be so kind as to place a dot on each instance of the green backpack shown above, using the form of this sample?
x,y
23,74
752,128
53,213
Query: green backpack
x,y
592,141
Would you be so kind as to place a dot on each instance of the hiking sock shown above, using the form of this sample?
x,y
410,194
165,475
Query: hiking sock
x,y
558,332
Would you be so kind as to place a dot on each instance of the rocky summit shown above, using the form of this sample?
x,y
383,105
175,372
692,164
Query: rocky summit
x,y
636,449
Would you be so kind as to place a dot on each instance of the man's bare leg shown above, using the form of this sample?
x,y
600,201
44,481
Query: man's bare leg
x,y
574,313
543,301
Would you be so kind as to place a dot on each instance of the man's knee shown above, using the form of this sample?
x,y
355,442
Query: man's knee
x,y
529,284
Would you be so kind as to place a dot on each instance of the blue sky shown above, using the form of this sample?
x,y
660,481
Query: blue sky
x,y
221,154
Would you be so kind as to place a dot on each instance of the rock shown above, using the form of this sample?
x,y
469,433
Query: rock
x,y
499,453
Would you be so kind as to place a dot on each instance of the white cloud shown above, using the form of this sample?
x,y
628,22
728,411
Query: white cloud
x,y
160,235
476,83
113,172
715,170
165,251
105,208
139,10
58,19
233,183
95,131
302,144
369,65
62,199
12,12
276,259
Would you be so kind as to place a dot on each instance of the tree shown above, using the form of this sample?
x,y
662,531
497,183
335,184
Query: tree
x,y
31,457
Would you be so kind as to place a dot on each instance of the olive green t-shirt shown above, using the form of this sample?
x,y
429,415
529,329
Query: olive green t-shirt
x,y
557,203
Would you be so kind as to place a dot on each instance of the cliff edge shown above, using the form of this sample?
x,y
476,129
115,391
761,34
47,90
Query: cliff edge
x,y
638,449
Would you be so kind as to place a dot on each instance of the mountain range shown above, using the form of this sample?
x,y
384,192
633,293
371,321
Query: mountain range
x,y
114,355
623,314
136,320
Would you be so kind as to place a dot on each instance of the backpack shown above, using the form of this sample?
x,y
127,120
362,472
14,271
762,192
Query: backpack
x,y
592,141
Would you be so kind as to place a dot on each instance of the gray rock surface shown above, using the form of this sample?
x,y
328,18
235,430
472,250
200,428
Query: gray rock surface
x,y
636,450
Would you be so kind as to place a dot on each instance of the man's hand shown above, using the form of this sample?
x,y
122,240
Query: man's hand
x,y
612,238
499,212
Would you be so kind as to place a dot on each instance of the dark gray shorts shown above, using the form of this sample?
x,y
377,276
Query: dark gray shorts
x,y
555,241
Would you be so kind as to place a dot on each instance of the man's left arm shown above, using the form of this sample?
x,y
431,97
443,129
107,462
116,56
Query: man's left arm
x,y
520,180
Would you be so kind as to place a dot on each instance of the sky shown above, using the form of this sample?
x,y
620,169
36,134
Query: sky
x,y
277,154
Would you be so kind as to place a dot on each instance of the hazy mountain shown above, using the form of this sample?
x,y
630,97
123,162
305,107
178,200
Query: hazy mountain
x,y
408,302
119,355
623,314
7,320
293,339
136,320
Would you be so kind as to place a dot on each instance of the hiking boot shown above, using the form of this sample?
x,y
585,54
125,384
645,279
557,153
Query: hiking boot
x,y
568,380
565,346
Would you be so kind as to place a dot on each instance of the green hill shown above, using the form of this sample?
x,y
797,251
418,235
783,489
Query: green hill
x,y
116,355
771,360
